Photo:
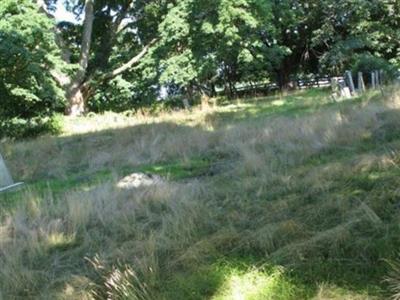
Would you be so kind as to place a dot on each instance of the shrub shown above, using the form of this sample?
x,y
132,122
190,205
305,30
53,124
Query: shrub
x,y
367,63
22,128
28,53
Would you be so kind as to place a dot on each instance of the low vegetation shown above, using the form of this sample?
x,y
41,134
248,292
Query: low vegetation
x,y
289,197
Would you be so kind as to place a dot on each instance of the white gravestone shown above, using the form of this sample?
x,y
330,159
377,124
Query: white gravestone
x,y
373,82
6,181
377,79
349,78
345,93
361,84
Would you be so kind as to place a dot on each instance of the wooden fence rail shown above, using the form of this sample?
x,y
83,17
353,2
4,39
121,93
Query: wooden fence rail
x,y
354,83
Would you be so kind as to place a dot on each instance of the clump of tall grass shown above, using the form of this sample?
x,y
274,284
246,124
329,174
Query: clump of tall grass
x,y
50,242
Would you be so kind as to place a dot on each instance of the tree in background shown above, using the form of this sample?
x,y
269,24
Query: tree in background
x,y
124,52
28,54
110,43
350,30
224,42
203,43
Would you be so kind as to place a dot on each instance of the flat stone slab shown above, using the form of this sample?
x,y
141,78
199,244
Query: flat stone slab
x,y
136,180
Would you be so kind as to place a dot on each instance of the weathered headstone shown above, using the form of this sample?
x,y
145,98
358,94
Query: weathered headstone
x,y
5,177
186,104
345,92
381,81
335,88
6,181
361,84
373,82
382,77
377,79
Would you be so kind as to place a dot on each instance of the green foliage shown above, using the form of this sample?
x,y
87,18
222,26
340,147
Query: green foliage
x,y
217,42
202,47
22,128
117,95
28,54
368,63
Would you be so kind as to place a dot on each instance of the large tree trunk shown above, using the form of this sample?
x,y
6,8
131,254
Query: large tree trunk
x,y
77,100
76,91
283,79
76,104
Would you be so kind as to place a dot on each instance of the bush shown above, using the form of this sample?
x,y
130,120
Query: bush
x,y
29,95
367,63
21,128
121,94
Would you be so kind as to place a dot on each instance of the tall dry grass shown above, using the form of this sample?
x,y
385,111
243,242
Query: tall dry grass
x,y
114,243
106,242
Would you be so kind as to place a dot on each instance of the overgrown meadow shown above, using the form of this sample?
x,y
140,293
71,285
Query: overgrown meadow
x,y
285,197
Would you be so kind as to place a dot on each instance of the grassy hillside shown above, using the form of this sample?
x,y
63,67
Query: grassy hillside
x,y
290,197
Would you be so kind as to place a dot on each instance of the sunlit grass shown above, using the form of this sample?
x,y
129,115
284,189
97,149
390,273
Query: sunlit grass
x,y
60,240
255,284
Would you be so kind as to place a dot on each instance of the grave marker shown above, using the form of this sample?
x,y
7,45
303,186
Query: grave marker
x,y
361,84
186,104
335,88
345,92
373,83
6,181
381,76
377,79
349,78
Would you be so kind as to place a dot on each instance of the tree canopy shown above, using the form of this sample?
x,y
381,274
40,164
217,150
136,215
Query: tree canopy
x,y
123,53
28,54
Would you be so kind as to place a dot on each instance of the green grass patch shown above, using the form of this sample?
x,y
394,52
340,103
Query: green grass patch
x,y
178,170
